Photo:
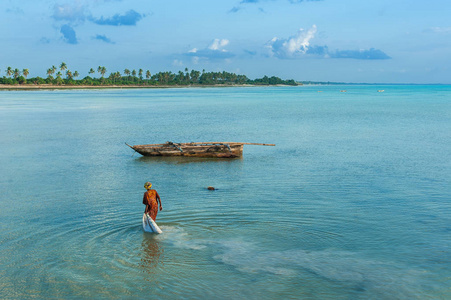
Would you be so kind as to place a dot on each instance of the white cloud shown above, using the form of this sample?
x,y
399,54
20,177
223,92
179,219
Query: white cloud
x,y
299,45
69,12
177,63
218,44
215,51
301,40
294,45
441,29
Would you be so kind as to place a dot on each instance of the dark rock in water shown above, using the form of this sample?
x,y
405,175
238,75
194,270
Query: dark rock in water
x,y
210,188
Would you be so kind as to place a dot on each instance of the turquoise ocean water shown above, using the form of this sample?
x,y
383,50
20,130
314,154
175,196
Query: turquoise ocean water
x,y
354,202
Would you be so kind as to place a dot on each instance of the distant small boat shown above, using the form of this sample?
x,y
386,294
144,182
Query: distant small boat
x,y
207,149
381,91
343,91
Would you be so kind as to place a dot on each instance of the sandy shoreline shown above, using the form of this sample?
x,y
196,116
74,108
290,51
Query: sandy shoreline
x,y
78,87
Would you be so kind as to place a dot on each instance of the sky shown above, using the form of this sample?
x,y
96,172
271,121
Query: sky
x,y
361,41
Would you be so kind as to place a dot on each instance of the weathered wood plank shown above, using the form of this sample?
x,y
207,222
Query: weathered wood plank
x,y
209,143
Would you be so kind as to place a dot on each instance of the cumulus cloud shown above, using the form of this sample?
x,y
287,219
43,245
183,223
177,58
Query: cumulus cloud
x,y
299,45
69,12
211,54
214,51
75,12
78,12
443,30
218,44
15,10
103,38
69,34
250,52
177,63
318,50
130,18
295,45
235,9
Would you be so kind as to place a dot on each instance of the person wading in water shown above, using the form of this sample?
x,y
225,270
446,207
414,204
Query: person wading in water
x,y
151,200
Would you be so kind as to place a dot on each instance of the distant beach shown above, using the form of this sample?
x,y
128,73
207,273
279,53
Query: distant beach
x,y
82,87
71,87
18,79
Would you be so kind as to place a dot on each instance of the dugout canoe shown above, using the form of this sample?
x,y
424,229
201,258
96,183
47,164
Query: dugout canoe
x,y
200,149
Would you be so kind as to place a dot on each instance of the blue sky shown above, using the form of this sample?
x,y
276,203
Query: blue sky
x,y
393,41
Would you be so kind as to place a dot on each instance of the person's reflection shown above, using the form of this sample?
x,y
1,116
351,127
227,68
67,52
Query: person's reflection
x,y
151,254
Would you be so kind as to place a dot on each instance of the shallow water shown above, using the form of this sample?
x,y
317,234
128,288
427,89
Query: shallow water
x,y
352,203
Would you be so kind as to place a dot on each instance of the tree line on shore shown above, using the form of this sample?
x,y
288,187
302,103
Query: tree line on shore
x,y
63,76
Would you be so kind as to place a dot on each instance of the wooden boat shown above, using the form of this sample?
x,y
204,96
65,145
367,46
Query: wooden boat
x,y
208,149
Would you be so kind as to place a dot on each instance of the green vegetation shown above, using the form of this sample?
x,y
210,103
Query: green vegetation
x,y
64,76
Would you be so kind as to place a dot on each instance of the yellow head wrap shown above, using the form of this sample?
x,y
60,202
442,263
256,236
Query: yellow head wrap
x,y
147,185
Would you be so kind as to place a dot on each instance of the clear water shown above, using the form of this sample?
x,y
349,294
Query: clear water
x,y
352,203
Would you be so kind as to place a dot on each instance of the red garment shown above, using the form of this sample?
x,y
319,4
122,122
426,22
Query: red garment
x,y
151,200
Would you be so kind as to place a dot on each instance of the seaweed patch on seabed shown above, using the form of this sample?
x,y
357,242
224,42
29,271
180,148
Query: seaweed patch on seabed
x,y
385,279
179,238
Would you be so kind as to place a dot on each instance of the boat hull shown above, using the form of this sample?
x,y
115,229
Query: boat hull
x,y
191,150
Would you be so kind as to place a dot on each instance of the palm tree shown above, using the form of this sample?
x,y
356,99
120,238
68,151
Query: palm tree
x,y
114,76
16,73
59,81
69,75
180,77
148,74
76,74
63,66
91,71
49,73
9,71
187,79
127,72
25,72
117,75
103,71
194,75
160,77
140,73
134,73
